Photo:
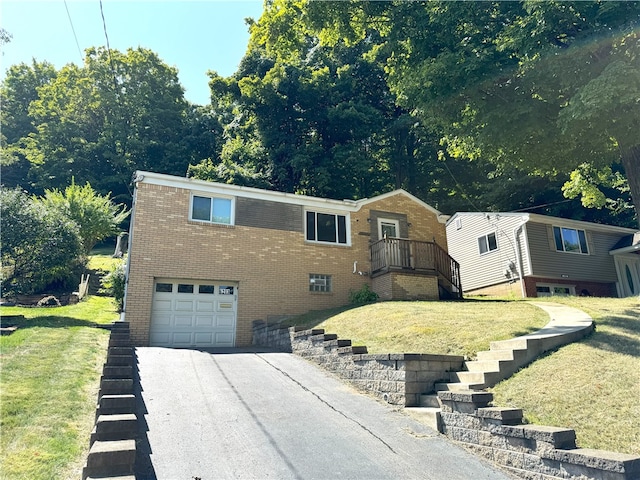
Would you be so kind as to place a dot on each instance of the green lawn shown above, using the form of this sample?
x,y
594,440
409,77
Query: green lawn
x,y
49,382
454,328
592,386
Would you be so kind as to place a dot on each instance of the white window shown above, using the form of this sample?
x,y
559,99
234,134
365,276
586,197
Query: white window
x,y
487,243
327,228
212,209
570,240
319,283
388,228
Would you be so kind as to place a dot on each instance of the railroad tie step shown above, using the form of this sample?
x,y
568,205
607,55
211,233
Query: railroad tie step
x,y
116,386
117,371
110,459
115,427
120,359
116,404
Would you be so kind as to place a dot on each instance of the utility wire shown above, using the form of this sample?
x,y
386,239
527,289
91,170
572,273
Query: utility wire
x,y
543,205
467,198
74,32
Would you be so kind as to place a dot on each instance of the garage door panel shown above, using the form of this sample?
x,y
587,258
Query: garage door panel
x,y
204,306
160,338
205,321
183,320
184,306
187,313
224,339
182,339
204,338
162,319
160,305
225,320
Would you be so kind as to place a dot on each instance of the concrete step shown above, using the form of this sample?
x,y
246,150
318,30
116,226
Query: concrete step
x,y
119,477
115,427
478,378
485,365
457,386
113,458
429,400
519,343
429,416
502,354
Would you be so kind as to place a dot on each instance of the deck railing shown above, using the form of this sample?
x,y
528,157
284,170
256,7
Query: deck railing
x,y
422,257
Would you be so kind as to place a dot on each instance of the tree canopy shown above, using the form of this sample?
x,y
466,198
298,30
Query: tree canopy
x,y
506,106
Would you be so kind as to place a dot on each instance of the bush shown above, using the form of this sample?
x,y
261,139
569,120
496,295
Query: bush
x,y
362,296
113,283
41,247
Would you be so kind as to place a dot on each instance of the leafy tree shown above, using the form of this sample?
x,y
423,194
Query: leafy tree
x,y
99,122
548,88
96,215
41,248
18,90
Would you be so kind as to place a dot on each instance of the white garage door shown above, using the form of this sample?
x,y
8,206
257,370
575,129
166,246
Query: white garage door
x,y
193,313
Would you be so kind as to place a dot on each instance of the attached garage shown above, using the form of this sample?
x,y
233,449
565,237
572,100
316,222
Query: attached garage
x,y
193,313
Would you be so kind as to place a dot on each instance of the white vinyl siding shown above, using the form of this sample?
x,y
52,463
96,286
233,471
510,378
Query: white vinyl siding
x,y
478,270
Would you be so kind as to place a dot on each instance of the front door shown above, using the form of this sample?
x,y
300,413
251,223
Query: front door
x,y
628,267
397,250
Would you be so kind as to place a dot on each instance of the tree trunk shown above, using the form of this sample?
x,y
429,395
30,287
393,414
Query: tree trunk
x,y
631,163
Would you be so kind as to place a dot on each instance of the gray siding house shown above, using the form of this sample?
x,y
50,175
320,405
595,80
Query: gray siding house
x,y
531,255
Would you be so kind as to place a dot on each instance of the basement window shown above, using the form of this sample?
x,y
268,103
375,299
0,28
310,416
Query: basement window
x,y
319,283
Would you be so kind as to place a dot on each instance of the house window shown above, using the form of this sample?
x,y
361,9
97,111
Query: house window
x,y
547,290
319,283
212,209
326,228
570,240
487,243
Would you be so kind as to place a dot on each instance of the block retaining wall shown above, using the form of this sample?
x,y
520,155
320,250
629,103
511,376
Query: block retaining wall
x,y
532,452
398,379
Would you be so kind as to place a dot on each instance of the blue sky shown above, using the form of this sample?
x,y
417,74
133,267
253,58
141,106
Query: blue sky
x,y
193,36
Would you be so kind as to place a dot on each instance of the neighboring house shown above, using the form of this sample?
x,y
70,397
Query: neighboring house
x,y
532,255
207,259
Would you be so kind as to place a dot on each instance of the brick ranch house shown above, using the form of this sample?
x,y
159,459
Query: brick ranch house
x,y
207,259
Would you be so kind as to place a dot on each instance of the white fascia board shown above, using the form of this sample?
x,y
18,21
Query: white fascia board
x,y
580,224
225,189
495,215
441,218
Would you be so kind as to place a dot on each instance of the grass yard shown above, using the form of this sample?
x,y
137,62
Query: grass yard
x,y
49,383
592,386
101,259
454,328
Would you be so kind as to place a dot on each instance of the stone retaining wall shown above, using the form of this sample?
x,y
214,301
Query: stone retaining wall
x,y
527,451
398,379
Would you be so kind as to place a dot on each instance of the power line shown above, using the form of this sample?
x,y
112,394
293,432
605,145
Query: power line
x,y
466,197
74,31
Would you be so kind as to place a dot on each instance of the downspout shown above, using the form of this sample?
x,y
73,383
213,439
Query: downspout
x,y
516,245
137,178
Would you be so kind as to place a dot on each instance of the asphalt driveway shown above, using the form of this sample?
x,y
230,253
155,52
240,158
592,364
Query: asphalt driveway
x,y
276,416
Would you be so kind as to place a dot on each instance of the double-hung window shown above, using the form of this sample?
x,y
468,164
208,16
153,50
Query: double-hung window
x,y
487,243
212,209
570,240
326,228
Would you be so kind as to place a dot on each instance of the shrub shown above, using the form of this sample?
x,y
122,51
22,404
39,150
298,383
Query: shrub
x,y
96,215
41,247
113,283
364,295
